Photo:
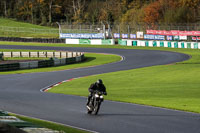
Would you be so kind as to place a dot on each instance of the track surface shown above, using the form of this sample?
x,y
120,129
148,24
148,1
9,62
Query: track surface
x,y
21,94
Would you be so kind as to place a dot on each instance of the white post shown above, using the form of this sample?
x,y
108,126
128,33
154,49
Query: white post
x,y
59,28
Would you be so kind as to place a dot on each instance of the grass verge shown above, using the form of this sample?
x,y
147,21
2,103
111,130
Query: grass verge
x,y
50,125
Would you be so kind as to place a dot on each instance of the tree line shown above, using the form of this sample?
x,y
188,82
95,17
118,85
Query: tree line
x,y
46,12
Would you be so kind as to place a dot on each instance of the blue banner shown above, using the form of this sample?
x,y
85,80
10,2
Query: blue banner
x,y
169,38
82,35
116,35
133,36
159,37
124,36
149,37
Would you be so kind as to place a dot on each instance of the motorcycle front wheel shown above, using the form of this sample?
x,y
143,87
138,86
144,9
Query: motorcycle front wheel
x,y
97,107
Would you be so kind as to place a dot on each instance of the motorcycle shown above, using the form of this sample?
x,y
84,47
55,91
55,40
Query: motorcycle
x,y
95,102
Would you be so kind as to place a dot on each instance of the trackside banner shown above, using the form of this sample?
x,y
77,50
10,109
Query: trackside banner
x,y
82,35
173,33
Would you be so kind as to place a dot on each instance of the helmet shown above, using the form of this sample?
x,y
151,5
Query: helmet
x,y
99,81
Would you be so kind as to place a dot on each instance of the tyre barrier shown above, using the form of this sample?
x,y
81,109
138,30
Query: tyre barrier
x,y
168,44
42,63
40,40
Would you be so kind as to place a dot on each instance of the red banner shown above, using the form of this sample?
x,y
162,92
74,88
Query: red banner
x,y
196,33
167,33
153,32
173,33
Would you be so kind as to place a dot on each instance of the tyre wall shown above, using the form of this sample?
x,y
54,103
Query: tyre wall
x,y
168,44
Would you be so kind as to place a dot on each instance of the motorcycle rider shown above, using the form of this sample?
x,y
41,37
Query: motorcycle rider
x,y
99,86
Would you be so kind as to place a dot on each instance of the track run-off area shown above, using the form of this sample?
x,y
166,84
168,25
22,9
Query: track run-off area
x,y
20,94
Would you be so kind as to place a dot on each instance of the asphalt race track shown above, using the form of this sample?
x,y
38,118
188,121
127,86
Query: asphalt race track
x,y
20,93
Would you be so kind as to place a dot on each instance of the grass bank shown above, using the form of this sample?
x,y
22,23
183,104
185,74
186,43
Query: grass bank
x,y
13,28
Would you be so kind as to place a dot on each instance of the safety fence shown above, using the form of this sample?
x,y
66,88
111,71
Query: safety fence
x,y
75,57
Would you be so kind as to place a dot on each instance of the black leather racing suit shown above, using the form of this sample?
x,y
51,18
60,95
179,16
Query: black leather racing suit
x,y
95,86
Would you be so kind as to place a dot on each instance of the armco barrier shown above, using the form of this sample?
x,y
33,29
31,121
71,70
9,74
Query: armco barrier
x,y
40,64
8,67
45,63
70,60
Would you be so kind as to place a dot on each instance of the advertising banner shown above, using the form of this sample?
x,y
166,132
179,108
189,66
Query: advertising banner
x,y
140,34
169,38
116,35
159,37
167,33
176,37
159,32
195,38
124,36
173,32
82,35
84,41
149,37
106,41
133,36
183,37
196,33
151,31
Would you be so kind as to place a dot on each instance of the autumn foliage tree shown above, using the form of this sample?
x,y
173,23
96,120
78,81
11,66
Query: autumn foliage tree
x,y
152,13
46,12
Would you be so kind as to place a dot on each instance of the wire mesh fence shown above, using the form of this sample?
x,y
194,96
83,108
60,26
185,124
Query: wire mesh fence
x,y
133,28
81,28
122,28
